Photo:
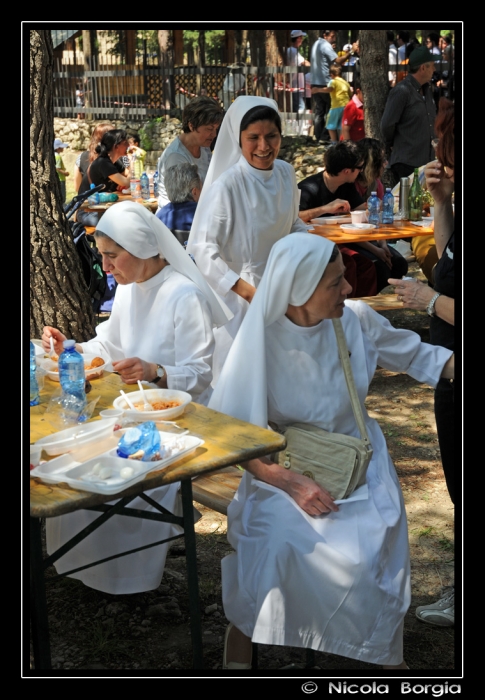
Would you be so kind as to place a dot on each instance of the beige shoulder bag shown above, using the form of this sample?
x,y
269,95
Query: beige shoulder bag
x,y
336,462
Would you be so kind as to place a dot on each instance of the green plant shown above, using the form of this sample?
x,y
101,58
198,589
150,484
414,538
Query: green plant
x,y
146,133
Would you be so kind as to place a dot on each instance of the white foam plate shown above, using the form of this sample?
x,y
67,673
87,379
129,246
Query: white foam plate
x,y
357,227
52,368
79,475
71,438
152,395
322,220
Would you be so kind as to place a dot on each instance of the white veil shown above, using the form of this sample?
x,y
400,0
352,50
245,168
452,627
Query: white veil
x,y
295,266
141,233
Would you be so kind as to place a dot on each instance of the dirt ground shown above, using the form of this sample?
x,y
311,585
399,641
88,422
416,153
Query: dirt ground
x,y
94,633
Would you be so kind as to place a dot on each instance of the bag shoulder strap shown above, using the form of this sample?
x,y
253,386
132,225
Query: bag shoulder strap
x,y
349,378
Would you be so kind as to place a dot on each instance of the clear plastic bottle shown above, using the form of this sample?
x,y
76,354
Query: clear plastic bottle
x,y
94,198
155,183
388,207
145,186
72,379
34,387
416,198
374,209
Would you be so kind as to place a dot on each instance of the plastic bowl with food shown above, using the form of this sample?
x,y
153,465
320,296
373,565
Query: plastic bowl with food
x,y
169,403
93,366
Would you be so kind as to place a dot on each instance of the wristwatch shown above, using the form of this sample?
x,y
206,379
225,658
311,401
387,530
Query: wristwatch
x,y
161,373
430,308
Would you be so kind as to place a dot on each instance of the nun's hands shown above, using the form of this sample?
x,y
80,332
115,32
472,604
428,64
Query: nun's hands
x,y
56,335
134,369
311,497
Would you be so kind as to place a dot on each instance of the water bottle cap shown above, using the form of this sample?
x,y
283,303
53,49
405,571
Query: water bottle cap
x,y
92,185
68,344
388,189
373,194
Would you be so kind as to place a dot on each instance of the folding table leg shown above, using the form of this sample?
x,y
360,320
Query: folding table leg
x,y
38,603
192,576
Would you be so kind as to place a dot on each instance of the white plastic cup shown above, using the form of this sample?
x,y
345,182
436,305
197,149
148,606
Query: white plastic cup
x,y
359,216
111,413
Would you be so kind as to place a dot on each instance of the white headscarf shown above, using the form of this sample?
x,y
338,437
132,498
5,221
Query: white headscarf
x,y
141,233
227,151
295,266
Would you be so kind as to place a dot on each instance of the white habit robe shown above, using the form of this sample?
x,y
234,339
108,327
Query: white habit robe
x,y
248,210
166,320
338,583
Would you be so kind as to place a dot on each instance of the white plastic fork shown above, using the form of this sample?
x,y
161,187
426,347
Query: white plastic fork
x,y
130,404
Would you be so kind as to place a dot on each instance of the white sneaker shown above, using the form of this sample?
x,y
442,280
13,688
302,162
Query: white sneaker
x,y
441,613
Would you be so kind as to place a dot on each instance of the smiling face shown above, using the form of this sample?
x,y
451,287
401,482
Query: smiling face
x,y
260,144
124,266
327,301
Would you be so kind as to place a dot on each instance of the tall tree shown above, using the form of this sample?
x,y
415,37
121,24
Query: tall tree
x,y
58,292
165,41
374,78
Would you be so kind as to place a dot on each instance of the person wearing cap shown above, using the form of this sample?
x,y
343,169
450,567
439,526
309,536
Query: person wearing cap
x,y
407,124
323,55
294,58
62,173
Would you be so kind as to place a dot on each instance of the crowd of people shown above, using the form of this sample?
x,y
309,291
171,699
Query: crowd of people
x,y
248,330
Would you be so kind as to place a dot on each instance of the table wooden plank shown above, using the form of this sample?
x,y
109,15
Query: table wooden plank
x,y
400,229
101,208
227,441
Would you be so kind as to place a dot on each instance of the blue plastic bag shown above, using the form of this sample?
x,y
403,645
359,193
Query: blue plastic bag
x,y
141,442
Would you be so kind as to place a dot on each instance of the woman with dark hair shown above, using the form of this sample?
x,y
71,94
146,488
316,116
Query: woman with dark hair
x,y
248,202
387,260
200,120
107,169
84,160
308,571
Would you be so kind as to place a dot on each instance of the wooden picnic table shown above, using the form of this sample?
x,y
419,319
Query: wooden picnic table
x,y
399,229
227,441
151,204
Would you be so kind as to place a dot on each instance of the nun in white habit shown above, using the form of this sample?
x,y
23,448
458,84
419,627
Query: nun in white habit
x,y
308,571
249,201
160,330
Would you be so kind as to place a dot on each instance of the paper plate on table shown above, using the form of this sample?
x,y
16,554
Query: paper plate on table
x,y
355,228
322,220
180,398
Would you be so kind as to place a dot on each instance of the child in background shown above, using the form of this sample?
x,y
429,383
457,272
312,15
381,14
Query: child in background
x,y
62,173
136,155
340,94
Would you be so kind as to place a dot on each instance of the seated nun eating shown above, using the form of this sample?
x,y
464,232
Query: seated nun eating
x,y
161,331
310,570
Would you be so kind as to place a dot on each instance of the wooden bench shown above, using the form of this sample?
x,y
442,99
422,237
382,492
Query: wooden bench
x,y
216,491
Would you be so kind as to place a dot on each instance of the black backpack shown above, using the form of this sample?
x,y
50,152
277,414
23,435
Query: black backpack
x,y
92,265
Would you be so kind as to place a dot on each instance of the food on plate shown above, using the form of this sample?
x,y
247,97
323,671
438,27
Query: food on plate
x,y
158,405
96,362
126,472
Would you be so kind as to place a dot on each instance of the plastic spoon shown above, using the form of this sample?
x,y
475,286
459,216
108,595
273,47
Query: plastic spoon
x,y
127,400
147,405
52,352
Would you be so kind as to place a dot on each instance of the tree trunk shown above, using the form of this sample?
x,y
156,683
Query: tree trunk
x,y
166,55
90,63
374,78
58,292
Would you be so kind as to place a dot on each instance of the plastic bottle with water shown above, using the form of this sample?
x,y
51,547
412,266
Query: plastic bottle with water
x,y
73,381
388,207
155,183
34,387
94,198
145,186
374,209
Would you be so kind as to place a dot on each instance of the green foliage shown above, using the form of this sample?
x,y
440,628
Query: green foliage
x,y
146,133
214,42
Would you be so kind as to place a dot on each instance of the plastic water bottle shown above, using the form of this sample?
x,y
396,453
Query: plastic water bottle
x,y
72,380
94,198
388,207
145,186
155,183
416,198
34,387
374,208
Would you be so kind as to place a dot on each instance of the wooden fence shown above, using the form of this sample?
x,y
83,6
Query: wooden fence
x,y
147,89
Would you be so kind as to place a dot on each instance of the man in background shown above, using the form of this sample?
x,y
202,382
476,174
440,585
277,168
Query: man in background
x,y
297,80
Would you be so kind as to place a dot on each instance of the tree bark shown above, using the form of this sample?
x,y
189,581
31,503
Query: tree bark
x,y
374,78
165,42
58,293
